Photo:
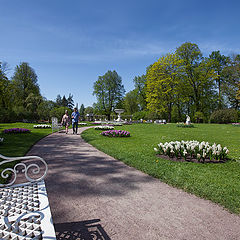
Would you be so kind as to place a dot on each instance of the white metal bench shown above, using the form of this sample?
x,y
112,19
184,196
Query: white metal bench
x,y
24,207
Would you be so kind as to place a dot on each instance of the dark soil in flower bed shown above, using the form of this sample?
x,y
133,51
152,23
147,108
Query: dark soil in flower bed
x,y
175,159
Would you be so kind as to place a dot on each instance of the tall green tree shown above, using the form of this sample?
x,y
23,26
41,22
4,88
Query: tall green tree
x,y
5,92
196,72
59,100
44,109
219,63
64,101
70,102
130,102
231,73
25,91
163,84
24,83
82,110
109,91
33,101
140,88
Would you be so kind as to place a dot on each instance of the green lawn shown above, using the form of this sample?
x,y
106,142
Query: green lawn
x,y
17,145
217,182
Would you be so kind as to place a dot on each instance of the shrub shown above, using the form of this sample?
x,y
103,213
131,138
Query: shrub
x,y
224,116
198,117
116,133
139,115
58,112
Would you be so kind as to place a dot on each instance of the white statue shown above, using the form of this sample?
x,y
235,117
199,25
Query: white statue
x,y
188,121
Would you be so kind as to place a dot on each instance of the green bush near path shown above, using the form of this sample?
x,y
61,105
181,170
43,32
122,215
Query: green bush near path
x,y
219,183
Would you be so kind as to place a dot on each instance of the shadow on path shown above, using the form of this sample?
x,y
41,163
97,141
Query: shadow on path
x,y
84,230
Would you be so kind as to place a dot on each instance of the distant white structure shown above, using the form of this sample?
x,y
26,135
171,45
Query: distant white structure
x,y
119,111
188,120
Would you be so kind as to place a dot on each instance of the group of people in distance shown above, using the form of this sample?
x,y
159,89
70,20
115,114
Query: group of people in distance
x,y
66,120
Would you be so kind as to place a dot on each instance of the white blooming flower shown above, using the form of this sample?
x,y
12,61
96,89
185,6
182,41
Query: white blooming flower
x,y
188,147
155,149
204,153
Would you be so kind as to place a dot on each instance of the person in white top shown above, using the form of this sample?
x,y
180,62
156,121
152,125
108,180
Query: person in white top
x,y
66,121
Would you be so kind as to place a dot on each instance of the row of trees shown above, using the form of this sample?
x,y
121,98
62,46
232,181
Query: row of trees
x,y
20,97
179,83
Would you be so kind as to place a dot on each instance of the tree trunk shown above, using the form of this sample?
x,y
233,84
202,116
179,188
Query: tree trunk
x,y
219,95
169,112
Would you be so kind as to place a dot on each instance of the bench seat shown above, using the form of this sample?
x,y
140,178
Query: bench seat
x,y
24,209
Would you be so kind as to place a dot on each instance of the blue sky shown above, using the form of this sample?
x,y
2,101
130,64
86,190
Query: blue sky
x,y
71,43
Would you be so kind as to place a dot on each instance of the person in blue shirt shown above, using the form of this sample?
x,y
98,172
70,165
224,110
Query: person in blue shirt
x,y
75,117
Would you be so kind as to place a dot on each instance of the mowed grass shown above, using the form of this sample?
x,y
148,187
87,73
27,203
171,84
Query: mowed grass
x,y
19,144
219,183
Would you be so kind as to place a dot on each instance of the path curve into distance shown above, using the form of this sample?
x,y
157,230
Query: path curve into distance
x,y
94,195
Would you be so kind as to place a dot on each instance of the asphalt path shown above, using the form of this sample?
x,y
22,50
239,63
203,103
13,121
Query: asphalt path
x,y
94,196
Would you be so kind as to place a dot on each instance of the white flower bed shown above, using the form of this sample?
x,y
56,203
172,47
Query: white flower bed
x,y
83,124
193,150
1,140
117,124
42,126
104,128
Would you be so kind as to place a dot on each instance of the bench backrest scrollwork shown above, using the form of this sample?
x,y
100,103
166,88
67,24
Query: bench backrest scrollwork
x,y
26,168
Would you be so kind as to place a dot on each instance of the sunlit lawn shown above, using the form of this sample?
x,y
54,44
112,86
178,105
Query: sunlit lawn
x,y
217,182
19,144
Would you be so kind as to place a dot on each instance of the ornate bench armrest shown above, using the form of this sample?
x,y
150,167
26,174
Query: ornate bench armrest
x,y
32,168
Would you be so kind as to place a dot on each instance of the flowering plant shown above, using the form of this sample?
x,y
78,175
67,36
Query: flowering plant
x,y
116,133
1,140
83,124
193,149
42,126
184,125
117,124
127,123
16,130
236,124
96,123
104,127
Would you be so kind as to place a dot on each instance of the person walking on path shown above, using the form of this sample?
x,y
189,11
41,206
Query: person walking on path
x,y
75,117
66,121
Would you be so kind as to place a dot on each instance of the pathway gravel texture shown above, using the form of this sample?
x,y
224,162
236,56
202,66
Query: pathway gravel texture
x,y
94,196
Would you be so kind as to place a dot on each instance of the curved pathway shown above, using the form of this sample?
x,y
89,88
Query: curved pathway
x,y
94,196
